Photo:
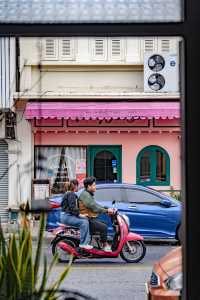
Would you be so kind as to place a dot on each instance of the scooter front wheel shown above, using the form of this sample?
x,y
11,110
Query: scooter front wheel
x,y
63,256
133,251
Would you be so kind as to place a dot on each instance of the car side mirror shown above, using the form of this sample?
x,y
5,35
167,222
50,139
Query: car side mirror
x,y
165,202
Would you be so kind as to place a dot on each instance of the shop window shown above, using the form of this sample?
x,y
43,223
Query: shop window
x,y
153,166
60,164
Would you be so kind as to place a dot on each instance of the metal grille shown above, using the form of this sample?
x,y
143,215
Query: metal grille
x,y
3,181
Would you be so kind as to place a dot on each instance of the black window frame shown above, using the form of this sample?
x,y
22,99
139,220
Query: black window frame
x,y
190,65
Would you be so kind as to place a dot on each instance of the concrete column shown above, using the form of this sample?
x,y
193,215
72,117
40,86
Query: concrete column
x,y
25,158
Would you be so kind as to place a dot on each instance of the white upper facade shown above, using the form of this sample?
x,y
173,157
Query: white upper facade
x,y
87,66
92,50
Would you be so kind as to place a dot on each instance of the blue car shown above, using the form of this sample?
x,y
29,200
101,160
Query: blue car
x,y
152,214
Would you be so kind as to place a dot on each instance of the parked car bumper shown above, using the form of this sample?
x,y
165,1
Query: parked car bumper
x,y
161,294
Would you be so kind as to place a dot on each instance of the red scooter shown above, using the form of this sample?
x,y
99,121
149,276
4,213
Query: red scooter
x,y
128,245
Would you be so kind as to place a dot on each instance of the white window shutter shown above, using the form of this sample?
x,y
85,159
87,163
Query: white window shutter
x,y
165,45
149,45
99,49
117,49
50,49
66,49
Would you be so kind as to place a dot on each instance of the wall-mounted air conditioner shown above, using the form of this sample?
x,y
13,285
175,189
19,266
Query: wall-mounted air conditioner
x,y
161,72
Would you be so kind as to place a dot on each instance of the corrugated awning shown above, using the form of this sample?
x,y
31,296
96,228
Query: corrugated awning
x,y
102,110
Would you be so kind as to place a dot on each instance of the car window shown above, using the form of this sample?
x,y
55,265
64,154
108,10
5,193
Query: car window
x,y
108,194
139,196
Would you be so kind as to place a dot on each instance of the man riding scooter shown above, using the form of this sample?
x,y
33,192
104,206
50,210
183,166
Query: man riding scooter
x,y
89,208
128,245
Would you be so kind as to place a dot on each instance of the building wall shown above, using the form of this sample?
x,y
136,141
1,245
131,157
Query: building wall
x,y
21,154
86,79
83,72
50,71
132,144
8,66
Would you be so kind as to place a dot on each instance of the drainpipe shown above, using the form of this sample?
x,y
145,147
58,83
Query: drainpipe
x,y
17,65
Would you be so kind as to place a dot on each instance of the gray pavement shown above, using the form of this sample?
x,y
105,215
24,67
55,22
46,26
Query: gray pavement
x,y
107,279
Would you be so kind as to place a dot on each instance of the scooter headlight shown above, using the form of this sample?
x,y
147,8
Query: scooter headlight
x,y
127,220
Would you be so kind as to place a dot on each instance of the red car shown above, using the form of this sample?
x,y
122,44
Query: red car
x,y
166,277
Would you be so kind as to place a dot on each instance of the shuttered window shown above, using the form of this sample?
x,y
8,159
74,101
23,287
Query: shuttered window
x,y
99,49
66,49
116,49
165,45
149,45
50,49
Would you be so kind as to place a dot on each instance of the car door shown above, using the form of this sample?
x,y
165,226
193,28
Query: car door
x,y
104,196
147,216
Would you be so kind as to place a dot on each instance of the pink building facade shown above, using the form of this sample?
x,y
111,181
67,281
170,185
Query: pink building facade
x,y
131,142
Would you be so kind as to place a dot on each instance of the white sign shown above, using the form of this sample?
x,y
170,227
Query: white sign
x,y
40,191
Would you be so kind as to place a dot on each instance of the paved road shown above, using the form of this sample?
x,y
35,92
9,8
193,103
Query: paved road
x,y
108,279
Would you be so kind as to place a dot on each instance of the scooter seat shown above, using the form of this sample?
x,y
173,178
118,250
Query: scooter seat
x,y
67,226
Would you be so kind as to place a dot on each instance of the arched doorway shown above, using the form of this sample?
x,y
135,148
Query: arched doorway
x,y
105,163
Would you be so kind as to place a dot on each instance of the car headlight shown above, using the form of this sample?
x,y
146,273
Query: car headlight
x,y
175,282
126,218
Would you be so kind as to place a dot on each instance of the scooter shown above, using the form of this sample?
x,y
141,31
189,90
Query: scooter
x,y
130,246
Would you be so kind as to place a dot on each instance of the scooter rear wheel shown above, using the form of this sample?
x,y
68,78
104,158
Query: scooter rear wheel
x,y
133,251
63,256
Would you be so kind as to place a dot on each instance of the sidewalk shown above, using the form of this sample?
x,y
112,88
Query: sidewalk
x,y
9,228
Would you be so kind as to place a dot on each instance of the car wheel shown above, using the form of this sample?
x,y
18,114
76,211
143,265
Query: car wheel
x,y
179,234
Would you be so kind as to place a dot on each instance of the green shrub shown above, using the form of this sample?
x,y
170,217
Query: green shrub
x,y
19,272
175,194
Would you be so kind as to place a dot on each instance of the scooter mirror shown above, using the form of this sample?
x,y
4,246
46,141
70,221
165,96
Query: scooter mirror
x,y
113,203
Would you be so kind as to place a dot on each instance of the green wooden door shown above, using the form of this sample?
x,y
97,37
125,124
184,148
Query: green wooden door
x,y
104,162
